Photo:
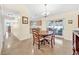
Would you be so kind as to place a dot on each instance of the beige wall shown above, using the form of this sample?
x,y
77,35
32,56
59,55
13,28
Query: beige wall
x,y
70,15
1,29
1,35
23,30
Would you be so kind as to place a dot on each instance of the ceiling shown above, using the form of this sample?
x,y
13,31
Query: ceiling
x,y
37,10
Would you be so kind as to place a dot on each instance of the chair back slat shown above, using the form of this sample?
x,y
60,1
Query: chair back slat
x,y
35,32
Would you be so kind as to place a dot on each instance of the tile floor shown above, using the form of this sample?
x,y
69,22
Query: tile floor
x,y
25,47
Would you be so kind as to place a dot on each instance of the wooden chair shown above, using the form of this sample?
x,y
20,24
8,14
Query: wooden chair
x,y
36,37
52,40
51,37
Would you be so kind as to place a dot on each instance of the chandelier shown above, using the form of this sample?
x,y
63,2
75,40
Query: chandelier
x,y
45,15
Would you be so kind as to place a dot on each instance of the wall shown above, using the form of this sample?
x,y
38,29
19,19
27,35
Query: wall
x,y
23,30
1,31
68,28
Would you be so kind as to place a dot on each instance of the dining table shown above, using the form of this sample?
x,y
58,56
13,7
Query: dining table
x,y
44,34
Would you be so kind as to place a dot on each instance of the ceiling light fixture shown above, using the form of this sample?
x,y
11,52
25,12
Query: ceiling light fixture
x,y
45,15
45,12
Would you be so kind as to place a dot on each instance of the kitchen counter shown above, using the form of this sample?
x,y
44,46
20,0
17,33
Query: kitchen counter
x,y
76,32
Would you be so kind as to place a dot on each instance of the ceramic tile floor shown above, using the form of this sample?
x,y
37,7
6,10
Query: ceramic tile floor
x,y
25,47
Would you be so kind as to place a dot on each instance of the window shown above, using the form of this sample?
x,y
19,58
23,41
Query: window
x,y
56,25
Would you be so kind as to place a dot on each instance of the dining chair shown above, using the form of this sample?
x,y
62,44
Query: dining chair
x,y
51,37
36,37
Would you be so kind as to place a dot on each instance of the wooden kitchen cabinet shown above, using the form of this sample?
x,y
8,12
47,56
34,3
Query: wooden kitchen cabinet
x,y
76,43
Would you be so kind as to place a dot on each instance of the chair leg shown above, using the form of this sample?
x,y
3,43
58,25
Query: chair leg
x,y
44,42
51,44
33,42
73,51
54,40
38,45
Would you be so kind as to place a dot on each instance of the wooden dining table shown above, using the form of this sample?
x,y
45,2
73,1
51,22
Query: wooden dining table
x,y
44,34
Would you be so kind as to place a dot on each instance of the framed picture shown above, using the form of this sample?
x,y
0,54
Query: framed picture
x,y
70,21
24,20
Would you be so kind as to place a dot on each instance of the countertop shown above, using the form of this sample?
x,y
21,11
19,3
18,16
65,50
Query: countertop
x,y
76,32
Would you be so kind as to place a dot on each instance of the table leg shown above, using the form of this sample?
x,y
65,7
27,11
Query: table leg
x,y
47,41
